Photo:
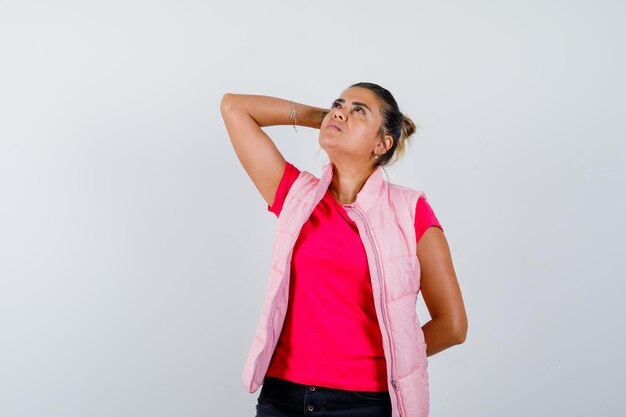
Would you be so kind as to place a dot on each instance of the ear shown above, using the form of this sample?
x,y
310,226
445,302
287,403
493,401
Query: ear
x,y
385,144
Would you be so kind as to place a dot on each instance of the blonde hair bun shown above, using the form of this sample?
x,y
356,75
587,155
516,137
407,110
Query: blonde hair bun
x,y
408,129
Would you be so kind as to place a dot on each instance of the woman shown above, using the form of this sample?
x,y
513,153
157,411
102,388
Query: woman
x,y
338,333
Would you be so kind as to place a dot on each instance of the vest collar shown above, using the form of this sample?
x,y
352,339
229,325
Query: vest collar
x,y
374,189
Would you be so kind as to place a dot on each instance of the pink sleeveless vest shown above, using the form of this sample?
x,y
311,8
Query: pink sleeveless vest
x,y
384,214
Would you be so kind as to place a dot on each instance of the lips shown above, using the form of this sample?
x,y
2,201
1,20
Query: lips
x,y
334,126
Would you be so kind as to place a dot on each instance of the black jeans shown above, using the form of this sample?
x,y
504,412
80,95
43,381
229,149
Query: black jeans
x,y
282,398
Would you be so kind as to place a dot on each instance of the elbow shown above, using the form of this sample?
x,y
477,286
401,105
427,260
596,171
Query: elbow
x,y
460,333
227,102
460,338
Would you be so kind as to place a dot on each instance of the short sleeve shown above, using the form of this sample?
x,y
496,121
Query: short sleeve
x,y
424,218
290,174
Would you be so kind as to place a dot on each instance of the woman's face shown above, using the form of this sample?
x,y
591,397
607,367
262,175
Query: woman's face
x,y
350,131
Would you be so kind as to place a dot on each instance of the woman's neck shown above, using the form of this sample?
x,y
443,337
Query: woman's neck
x,y
346,184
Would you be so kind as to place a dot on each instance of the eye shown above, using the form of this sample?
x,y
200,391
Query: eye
x,y
360,109
335,104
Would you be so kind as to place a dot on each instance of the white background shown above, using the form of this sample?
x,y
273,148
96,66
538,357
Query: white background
x,y
134,249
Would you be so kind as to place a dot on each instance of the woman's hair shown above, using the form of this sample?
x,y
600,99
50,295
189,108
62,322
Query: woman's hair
x,y
395,123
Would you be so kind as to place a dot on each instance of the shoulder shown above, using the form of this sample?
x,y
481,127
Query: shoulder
x,y
301,189
305,179
403,193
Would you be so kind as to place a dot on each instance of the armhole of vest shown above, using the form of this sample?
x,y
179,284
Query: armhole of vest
x,y
301,177
420,194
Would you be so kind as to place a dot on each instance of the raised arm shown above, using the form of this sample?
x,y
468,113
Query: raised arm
x,y
244,115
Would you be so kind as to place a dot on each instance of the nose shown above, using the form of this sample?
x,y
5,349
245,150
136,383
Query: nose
x,y
339,114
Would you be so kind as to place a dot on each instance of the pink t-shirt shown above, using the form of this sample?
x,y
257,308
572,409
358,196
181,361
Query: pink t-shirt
x,y
331,336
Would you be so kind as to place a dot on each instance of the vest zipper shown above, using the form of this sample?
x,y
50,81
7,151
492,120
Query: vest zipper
x,y
394,381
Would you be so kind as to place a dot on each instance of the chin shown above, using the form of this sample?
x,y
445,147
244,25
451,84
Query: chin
x,y
327,140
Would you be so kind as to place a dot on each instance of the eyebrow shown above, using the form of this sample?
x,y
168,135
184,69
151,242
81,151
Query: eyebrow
x,y
355,103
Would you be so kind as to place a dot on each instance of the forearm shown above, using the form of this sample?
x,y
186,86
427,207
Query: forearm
x,y
440,334
272,111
